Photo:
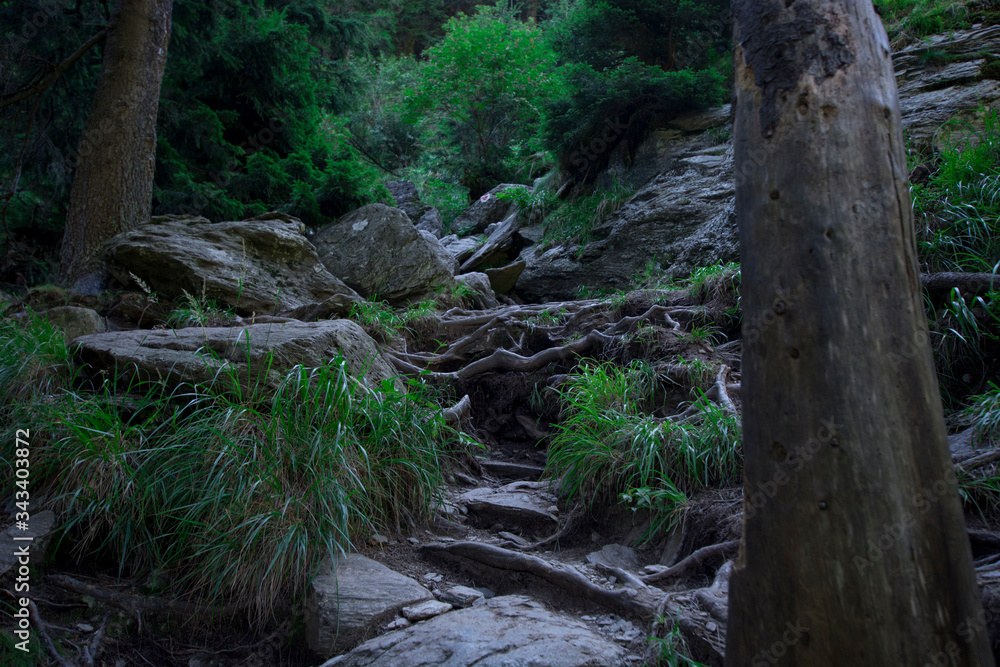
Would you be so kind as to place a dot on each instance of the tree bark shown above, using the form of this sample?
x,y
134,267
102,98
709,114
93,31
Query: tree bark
x,y
113,184
854,548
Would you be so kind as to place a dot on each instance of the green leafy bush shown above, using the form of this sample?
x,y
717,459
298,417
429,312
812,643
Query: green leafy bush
x,y
604,108
480,92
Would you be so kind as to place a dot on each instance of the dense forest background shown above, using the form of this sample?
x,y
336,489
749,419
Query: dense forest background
x,y
308,107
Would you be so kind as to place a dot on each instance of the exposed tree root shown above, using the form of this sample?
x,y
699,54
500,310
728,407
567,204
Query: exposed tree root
x,y
46,639
503,360
458,413
625,576
719,393
568,526
640,603
940,284
139,605
984,459
696,559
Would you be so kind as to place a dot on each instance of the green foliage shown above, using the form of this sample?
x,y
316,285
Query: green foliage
x,y
983,414
959,207
675,34
244,113
575,220
34,360
379,130
981,487
605,107
708,282
198,311
480,92
533,203
664,504
226,491
384,323
907,21
241,120
609,444
700,375
671,650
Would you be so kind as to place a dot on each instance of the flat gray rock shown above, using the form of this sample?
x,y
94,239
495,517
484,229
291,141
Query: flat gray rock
x,y
462,596
260,266
349,603
615,555
75,321
255,354
525,505
426,609
485,211
508,631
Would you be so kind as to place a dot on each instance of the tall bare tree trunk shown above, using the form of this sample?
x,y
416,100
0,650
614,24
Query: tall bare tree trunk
x,y
113,184
854,550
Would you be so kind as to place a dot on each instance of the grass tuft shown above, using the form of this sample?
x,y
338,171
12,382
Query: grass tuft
x,y
608,444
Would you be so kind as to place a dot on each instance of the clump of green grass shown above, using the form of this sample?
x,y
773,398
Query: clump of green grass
x,y
608,443
708,283
907,21
670,650
34,359
983,414
226,492
575,220
199,312
239,496
981,487
384,323
957,212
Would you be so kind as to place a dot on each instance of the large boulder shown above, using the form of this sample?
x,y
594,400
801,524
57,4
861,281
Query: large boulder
x,y
261,265
462,248
499,632
348,603
485,211
258,354
682,219
502,245
482,295
423,216
377,251
407,199
75,321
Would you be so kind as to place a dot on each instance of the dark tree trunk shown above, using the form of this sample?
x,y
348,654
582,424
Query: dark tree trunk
x,y
113,184
854,549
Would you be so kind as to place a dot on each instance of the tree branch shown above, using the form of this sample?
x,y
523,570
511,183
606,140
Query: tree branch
x,y
59,69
